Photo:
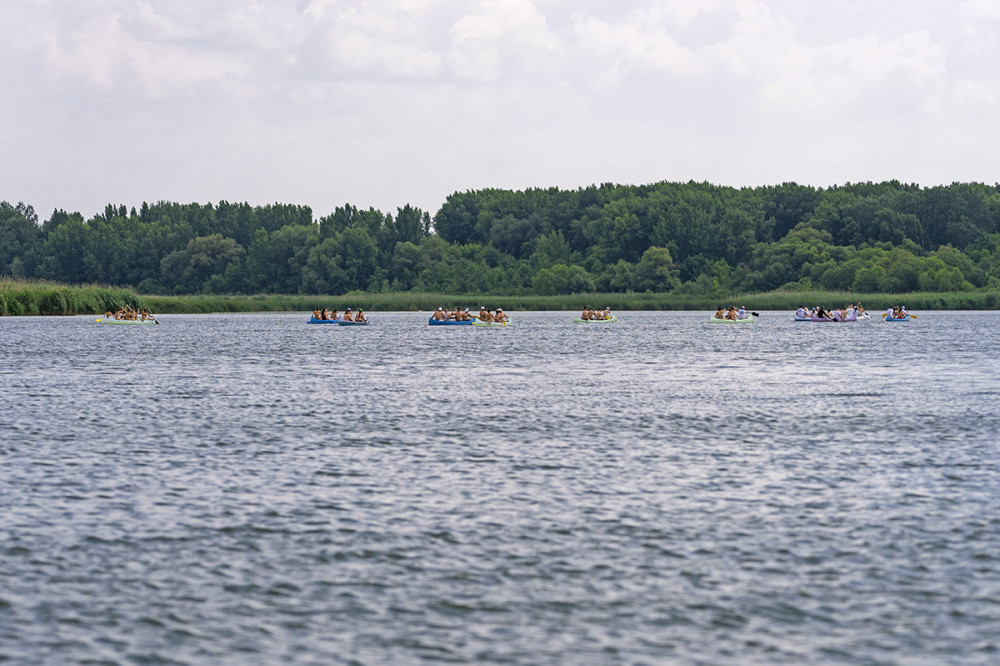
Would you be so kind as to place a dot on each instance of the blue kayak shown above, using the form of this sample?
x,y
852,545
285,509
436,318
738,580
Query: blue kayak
x,y
313,320
449,322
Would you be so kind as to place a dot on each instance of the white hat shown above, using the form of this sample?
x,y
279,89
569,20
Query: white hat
x,y
466,309
439,308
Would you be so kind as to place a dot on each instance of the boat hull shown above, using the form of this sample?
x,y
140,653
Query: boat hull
x,y
748,320
127,322
489,324
449,322
577,320
831,320
899,319
313,320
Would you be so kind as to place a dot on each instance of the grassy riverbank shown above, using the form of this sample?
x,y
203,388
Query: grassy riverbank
x,y
409,301
49,298
34,298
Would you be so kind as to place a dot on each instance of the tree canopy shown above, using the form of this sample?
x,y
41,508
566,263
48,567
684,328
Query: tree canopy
x,y
693,238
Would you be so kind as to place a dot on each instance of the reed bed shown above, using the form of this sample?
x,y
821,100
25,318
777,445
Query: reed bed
x,y
45,298
49,298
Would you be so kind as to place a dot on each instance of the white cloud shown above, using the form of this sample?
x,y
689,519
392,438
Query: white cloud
x,y
351,100
988,10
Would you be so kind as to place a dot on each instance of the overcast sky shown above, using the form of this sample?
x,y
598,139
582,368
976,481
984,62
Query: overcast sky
x,y
327,102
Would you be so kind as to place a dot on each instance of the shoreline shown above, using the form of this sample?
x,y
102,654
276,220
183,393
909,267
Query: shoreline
x,y
42,298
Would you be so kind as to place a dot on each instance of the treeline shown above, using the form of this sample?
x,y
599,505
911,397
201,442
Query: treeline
x,y
685,238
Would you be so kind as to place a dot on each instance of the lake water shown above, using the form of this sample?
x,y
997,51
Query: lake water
x,y
244,489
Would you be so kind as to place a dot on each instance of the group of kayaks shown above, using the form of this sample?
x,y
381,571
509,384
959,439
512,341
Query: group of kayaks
x,y
468,322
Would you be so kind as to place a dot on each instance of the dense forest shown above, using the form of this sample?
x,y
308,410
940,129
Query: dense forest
x,y
686,238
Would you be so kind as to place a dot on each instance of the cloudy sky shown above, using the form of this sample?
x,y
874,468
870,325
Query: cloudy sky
x,y
384,103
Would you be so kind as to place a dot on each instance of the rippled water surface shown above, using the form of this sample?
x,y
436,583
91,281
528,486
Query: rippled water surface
x,y
240,489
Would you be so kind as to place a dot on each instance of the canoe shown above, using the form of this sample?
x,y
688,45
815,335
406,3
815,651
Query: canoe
x,y
830,319
450,322
352,323
489,324
577,320
748,320
313,320
127,322
803,319
899,319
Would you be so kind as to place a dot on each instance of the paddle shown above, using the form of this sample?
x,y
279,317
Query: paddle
x,y
914,316
755,314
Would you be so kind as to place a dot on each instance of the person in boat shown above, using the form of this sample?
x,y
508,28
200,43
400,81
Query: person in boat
x,y
360,317
348,315
109,314
801,313
742,312
820,313
607,312
731,313
334,314
465,315
720,313
850,312
486,316
439,315
500,317
585,315
316,313
860,309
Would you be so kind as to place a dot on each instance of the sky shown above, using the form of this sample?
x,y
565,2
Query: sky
x,y
382,104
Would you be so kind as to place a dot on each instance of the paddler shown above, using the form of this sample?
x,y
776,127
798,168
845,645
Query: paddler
x,y
500,317
348,315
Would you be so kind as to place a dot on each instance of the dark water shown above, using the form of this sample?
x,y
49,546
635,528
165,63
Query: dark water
x,y
251,489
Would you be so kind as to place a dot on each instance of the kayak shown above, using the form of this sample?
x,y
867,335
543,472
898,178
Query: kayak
x,y
489,324
450,322
803,319
313,320
577,320
127,322
748,320
351,323
897,319
831,319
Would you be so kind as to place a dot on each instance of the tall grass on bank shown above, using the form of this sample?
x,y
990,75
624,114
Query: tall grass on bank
x,y
31,298
411,301
49,298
